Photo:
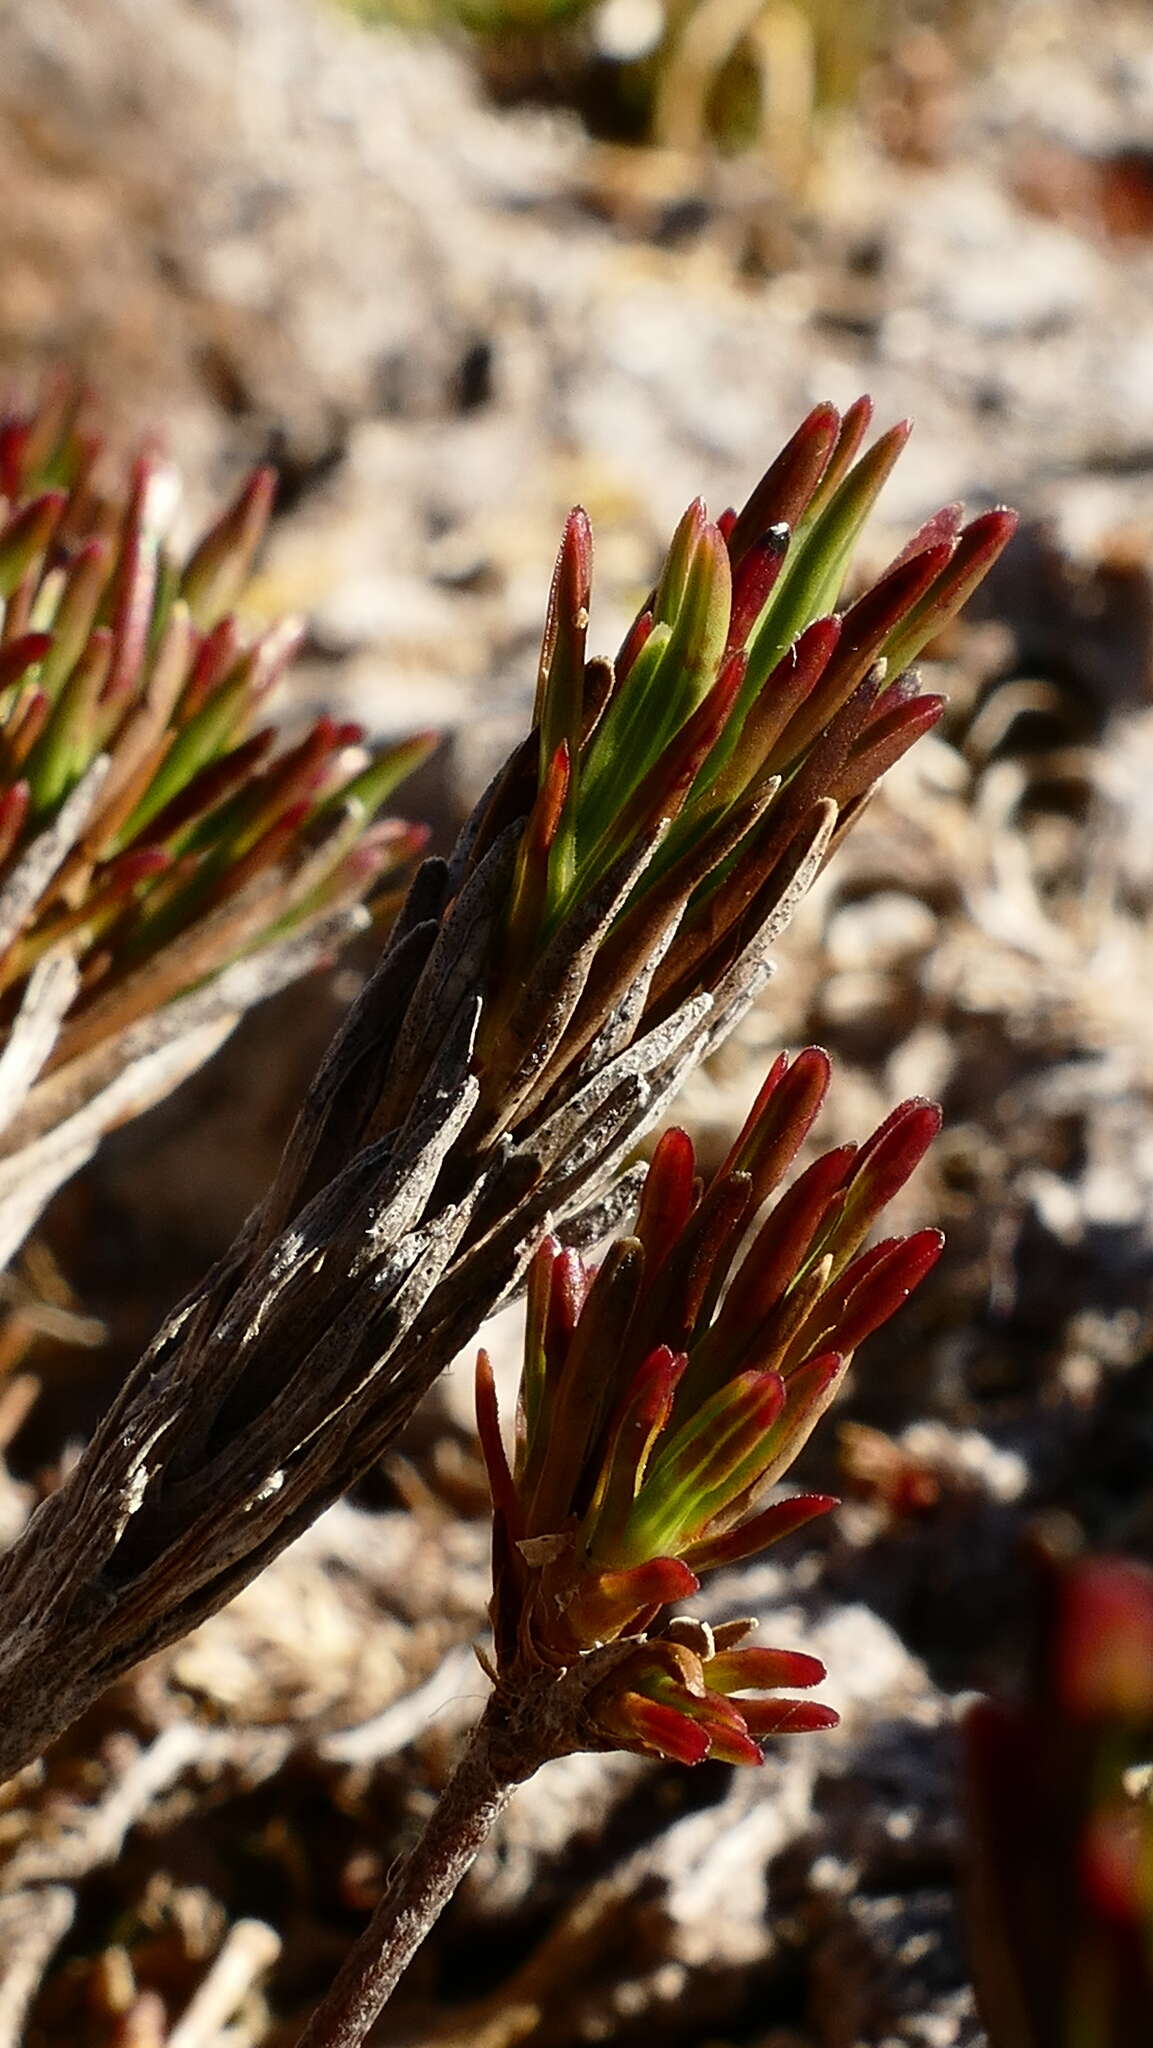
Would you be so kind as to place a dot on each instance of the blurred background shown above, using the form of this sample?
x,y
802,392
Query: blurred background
x,y
454,265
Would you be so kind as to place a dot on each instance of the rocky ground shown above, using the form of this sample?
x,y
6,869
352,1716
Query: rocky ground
x,y
274,232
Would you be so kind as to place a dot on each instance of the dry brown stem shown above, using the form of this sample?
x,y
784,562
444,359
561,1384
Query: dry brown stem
x,y
523,1726
421,1888
395,1224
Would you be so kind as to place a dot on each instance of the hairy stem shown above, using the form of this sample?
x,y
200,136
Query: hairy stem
x,y
427,1878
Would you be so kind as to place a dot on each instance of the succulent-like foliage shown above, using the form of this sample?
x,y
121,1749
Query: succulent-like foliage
x,y
603,924
153,830
1060,1814
666,1392
113,646
683,797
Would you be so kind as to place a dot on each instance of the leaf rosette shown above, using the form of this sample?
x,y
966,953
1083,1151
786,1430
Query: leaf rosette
x,y
666,1392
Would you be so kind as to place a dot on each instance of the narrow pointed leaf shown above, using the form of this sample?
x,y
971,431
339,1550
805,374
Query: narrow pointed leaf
x,y
634,1721
855,424
944,525
865,628
21,654
25,536
881,1293
753,582
715,1454
68,742
500,1479
811,1388
609,1603
14,805
75,614
392,766
667,1197
644,1411
783,495
750,1538
784,1240
780,1120
977,549
131,592
888,1159
631,645
581,1392
882,744
819,558
220,566
787,1717
762,1670
557,711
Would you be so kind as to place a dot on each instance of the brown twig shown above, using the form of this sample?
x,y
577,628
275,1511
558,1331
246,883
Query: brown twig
x,y
426,1880
542,1717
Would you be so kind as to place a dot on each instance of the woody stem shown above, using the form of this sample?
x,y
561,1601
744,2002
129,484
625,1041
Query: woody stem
x,y
418,1894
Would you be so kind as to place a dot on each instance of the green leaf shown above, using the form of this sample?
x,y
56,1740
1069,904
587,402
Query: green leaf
x,y
716,1453
814,570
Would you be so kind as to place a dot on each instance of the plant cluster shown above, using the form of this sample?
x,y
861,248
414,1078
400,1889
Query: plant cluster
x,y
602,925
665,1393
628,870
155,829
203,834
680,799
